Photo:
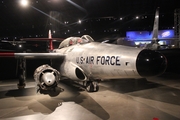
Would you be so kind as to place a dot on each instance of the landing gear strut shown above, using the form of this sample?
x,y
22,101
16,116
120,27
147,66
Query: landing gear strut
x,y
21,73
92,86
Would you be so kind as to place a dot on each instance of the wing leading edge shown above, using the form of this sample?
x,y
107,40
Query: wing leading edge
x,y
31,55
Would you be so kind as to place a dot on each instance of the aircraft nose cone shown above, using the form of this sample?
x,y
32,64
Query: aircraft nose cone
x,y
150,63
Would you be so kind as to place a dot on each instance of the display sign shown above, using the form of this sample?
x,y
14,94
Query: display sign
x,y
147,35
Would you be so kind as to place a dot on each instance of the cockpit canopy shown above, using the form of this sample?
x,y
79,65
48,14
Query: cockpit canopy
x,y
75,40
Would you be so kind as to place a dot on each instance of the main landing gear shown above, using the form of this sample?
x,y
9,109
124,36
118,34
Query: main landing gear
x,y
92,86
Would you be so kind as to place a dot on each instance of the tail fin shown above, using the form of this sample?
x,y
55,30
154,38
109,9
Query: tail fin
x,y
156,26
154,45
49,34
50,41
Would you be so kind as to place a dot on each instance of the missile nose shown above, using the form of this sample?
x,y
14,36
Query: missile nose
x,y
150,63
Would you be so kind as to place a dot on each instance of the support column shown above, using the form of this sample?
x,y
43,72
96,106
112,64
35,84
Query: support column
x,y
21,73
177,26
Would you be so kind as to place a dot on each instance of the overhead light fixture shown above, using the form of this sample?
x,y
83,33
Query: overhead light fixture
x,y
24,3
137,17
79,21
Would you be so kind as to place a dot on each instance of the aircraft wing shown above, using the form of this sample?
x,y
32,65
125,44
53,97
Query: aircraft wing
x,y
42,39
32,55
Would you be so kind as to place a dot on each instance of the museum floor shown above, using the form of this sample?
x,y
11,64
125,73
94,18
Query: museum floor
x,y
157,98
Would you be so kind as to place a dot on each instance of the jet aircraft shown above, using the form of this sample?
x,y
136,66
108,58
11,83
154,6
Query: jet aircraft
x,y
84,60
154,45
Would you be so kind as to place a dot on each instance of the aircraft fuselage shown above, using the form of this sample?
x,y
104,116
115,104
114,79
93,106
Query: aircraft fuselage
x,y
104,61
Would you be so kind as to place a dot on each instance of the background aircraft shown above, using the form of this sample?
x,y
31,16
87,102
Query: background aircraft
x,y
154,45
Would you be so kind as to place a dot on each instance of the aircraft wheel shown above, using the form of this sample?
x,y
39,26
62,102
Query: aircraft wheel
x,y
92,86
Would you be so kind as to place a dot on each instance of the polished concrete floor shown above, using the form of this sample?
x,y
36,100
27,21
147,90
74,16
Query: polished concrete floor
x,y
156,98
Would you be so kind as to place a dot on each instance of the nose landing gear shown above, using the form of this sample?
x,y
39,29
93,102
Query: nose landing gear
x,y
92,86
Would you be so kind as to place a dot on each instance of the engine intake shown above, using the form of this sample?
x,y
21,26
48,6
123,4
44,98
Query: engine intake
x,y
46,77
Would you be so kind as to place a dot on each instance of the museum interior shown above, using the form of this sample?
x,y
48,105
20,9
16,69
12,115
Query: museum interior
x,y
89,60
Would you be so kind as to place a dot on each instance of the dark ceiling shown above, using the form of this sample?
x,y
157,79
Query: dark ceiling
x,y
42,15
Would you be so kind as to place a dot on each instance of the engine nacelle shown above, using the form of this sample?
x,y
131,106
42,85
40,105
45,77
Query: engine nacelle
x,y
46,77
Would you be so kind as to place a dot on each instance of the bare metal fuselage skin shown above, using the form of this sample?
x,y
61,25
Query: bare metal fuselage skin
x,y
95,60
83,59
